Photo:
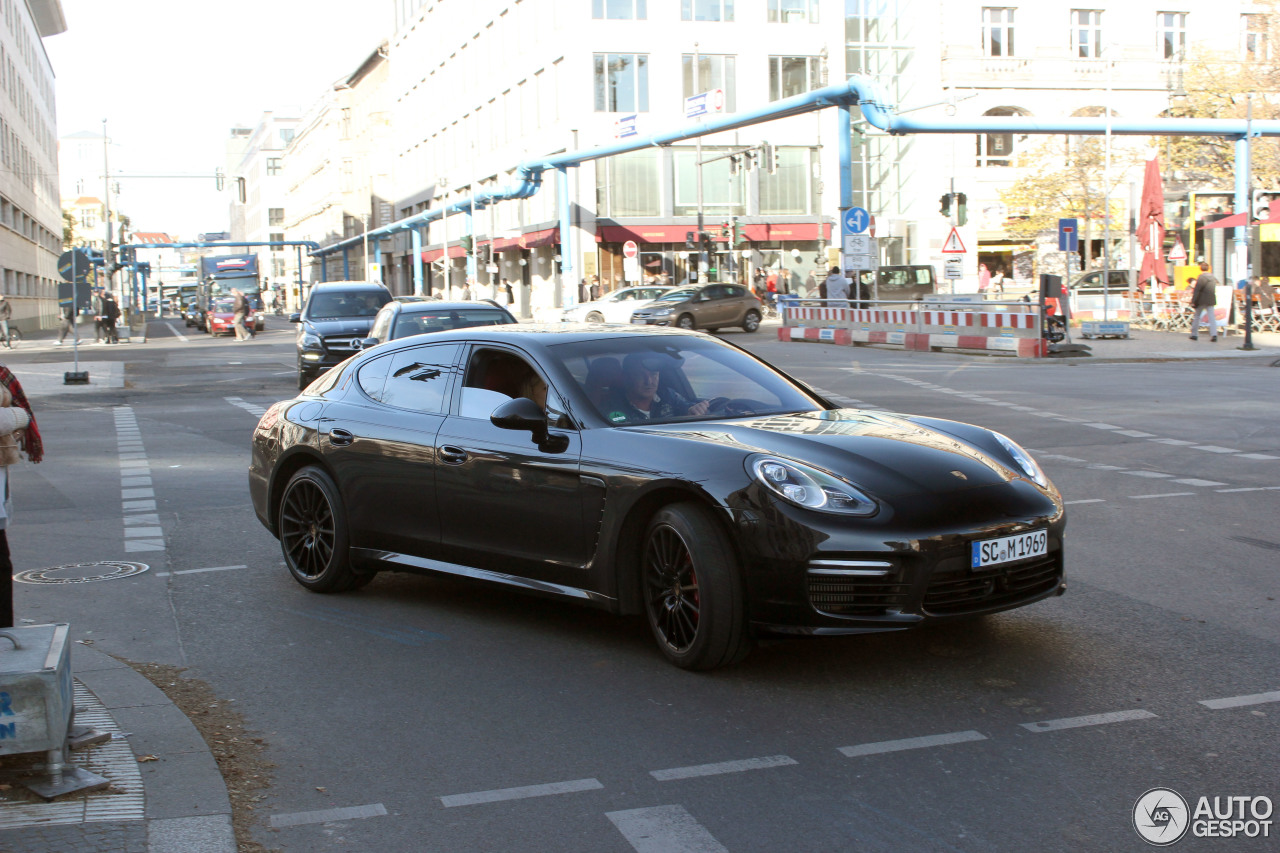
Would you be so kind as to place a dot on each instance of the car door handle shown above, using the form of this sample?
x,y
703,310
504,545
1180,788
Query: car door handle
x,y
340,437
451,455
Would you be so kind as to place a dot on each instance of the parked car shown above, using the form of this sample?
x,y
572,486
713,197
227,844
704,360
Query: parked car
x,y
905,283
613,307
710,307
334,323
399,319
220,318
1118,281
650,471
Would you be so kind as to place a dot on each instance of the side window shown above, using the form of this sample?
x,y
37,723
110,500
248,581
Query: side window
x,y
418,378
373,375
495,376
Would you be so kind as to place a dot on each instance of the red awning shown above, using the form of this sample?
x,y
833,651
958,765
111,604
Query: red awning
x,y
757,232
1237,219
532,240
429,255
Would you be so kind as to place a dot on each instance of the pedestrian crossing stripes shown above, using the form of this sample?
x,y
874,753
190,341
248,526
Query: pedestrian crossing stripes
x,y
142,530
253,409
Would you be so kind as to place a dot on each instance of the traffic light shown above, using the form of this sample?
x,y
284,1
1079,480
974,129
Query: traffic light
x,y
485,253
733,164
726,230
962,213
739,233
690,240
1262,207
769,157
708,242
944,204
468,243
219,179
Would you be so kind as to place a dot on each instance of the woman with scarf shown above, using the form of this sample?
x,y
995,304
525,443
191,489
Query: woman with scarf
x,y
18,434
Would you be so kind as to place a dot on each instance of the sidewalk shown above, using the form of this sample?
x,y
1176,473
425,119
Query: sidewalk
x,y
1148,345
166,794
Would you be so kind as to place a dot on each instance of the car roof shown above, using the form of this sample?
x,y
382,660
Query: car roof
x,y
346,285
547,334
431,305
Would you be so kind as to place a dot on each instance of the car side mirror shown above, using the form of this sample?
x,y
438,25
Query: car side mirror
x,y
295,318
368,342
524,414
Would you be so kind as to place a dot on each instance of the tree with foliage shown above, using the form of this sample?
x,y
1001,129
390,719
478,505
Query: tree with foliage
x,y
1066,177
68,229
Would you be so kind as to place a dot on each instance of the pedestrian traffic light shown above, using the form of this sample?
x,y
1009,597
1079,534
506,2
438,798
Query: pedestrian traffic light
x,y
962,212
690,240
739,235
726,231
1262,207
944,204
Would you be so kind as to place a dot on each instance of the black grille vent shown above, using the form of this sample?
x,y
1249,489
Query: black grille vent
x,y
965,591
853,596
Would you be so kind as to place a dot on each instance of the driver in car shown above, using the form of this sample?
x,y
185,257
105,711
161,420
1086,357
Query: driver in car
x,y
637,400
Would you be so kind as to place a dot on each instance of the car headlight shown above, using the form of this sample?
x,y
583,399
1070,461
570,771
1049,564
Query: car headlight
x,y
809,487
1024,461
659,312
309,340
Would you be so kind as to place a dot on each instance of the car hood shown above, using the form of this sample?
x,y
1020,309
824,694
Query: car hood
x,y
340,325
886,454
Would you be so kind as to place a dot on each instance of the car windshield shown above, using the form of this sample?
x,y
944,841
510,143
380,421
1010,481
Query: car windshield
x,y
223,306
439,320
679,294
328,306
663,379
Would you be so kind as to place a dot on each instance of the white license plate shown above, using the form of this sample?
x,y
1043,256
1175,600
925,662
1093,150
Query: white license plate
x,y
1007,549
639,320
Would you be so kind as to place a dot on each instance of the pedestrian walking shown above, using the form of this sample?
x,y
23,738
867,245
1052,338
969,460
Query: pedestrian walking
x,y
67,323
984,278
18,434
6,314
239,310
1204,298
511,297
837,288
110,314
595,288
810,285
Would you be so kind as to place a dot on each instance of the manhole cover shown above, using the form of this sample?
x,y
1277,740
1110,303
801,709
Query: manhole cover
x,y
107,570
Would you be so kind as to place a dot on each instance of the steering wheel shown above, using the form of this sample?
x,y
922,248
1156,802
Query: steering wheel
x,y
731,406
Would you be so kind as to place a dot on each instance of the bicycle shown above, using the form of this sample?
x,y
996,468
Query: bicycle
x,y
14,337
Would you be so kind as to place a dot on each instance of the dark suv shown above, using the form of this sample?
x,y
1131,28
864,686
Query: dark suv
x,y
333,324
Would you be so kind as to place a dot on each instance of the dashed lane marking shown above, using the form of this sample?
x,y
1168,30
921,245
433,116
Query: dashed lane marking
x,y
1257,456
1191,481
1090,720
1165,495
198,571
722,767
251,408
498,795
1249,489
1155,475
911,743
1213,448
327,815
1241,701
664,829
1085,501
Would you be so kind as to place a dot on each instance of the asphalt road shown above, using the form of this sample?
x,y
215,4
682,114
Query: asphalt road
x,y
443,715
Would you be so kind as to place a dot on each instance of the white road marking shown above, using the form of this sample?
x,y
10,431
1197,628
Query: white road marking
x,y
1173,442
1085,501
1133,433
327,815
1090,720
664,829
1194,482
722,767
1103,426
177,334
1165,495
1155,475
1257,456
141,532
257,411
525,792
1098,466
198,571
1246,489
911,743
1213,448
1241,701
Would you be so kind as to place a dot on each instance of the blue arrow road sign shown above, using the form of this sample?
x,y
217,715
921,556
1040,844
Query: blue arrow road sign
x,y
1068,235
855,220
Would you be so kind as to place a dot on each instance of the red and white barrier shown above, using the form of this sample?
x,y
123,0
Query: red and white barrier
x,y
1012,333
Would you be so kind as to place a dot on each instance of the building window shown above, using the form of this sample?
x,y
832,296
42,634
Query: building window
x,y
997,149
629,184
788,191
273,165
997,31
793,11
722,192
712,72
1086,33
622,82
275,216
1171,34
706,10
793,75
1254,41
276,237
618,10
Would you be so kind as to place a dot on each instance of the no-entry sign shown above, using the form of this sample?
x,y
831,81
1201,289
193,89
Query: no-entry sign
x,y
630,249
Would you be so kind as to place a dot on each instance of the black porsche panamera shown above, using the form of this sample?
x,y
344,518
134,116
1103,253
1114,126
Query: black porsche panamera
x,y
650,471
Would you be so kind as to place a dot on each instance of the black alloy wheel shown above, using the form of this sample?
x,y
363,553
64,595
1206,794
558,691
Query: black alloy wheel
x,y
686,322
693,590
751,322
313,533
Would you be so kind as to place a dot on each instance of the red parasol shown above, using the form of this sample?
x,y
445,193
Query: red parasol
x,y
1151,226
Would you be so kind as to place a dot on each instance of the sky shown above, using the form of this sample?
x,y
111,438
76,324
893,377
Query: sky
x,y
172,77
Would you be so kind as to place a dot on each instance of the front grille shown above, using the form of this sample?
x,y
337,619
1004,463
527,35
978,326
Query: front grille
x,y
341,346
853,596
965,591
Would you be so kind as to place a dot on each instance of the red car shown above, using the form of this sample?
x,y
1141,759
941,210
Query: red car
x,y
219,319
